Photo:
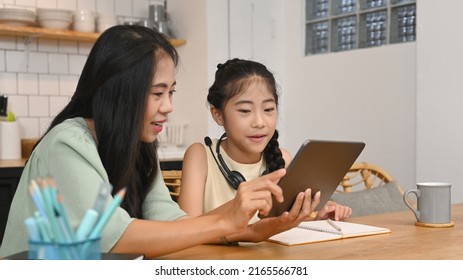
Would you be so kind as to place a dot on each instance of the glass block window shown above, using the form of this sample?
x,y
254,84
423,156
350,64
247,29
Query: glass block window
x,y
341,25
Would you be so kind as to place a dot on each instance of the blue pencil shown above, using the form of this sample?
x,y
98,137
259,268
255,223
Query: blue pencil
x,y
44,228
38,204
43,207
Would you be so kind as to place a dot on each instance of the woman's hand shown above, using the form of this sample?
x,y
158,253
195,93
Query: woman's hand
x,y
253,196
334,211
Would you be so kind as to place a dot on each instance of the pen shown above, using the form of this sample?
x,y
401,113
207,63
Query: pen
x,y
96,232
333,225
38,199
58,234
57,201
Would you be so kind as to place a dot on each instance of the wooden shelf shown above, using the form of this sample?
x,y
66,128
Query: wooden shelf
x,y
10,30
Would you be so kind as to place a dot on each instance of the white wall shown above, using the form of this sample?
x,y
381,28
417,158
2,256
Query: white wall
x,y
367,95
439,90
248,29
189,19
218,46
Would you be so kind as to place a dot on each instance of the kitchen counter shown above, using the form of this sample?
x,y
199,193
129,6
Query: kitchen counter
x,y
26,148
171,153
12,163
165,154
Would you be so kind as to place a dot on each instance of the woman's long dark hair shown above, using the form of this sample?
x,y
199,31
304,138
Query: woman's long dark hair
x,y
113,90
232,78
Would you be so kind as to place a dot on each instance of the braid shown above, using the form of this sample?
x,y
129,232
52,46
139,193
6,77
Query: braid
x,y
272,155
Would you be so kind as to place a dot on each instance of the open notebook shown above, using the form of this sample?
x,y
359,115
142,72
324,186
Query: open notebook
x,y
321,230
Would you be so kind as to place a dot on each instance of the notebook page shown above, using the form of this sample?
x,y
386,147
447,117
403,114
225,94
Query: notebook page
x,y
354,229
321,230
322,226
300,235
347,229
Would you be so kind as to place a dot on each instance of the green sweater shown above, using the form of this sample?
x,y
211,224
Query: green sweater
x,y
69,154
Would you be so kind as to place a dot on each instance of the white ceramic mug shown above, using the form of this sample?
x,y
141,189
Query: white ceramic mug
x,y
433,202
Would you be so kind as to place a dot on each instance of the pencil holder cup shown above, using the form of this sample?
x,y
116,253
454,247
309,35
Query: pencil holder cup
x,y
80,250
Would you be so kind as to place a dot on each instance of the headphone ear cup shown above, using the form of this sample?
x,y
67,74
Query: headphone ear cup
x,y
236,178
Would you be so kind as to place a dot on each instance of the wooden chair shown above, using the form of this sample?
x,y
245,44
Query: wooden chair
x,y
364,175
368,189
173,180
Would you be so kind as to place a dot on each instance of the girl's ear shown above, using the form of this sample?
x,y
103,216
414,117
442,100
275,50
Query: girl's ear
x,y
217,115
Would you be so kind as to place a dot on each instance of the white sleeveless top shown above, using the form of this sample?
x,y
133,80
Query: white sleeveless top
x,y
217,191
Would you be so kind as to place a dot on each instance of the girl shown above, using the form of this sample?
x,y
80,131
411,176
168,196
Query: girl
x,y
244,101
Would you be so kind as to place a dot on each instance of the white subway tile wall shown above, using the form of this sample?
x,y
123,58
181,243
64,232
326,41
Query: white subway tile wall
x,y
8,82
28,84
48,84
105,6
48,45
7,43
40,82
39,106
49,4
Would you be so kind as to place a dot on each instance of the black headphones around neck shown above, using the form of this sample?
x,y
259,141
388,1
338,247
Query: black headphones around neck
x,y
234,178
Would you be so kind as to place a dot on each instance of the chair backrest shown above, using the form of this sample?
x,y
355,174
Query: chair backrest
x,y
364,175
369,189
173,180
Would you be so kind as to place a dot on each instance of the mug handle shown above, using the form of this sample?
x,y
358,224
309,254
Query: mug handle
x,y
414,210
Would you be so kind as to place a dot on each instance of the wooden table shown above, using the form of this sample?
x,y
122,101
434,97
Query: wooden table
x,y
406,241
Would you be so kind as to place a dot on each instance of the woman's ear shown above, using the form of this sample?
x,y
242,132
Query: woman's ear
x,y
217,115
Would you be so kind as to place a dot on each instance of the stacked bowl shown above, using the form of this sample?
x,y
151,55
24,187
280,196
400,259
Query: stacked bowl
x,y
54,19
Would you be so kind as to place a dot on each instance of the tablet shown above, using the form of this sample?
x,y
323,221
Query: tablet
x,y
320,165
